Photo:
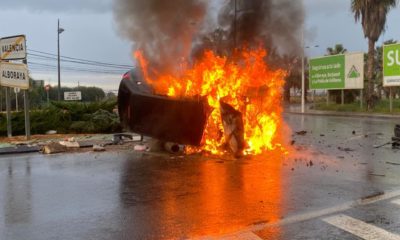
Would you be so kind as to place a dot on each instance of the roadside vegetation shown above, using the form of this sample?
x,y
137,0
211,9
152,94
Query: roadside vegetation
x,y
96,113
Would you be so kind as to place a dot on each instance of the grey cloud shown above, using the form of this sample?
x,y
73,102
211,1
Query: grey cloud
x,y
71,6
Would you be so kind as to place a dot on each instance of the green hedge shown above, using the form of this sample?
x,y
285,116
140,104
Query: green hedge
x,y
67,117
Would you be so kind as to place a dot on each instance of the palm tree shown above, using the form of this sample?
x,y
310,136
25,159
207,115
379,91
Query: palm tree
x,y
338,49
372,14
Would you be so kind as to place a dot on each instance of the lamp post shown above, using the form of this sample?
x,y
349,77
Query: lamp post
x,y
303,90
59,31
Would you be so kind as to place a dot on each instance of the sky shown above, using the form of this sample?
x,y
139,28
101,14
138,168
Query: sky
x,y
91,34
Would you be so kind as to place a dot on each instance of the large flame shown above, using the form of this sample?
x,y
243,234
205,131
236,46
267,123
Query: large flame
x,y
248,84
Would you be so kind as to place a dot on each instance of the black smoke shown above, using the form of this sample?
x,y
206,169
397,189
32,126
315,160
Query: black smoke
x,y
174,30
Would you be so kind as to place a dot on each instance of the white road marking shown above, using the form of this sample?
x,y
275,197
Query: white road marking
x,y
359,228
396,201
241,236
318,213
245,235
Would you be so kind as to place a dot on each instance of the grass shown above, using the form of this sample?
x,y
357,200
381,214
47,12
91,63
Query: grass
x,y
381,107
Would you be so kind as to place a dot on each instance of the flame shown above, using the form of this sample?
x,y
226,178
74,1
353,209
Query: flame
x,y
248,84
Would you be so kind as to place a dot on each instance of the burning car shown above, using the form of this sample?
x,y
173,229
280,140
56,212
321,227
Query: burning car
x,y
172,120
216,104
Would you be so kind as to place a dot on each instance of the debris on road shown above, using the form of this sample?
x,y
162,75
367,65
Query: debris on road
x,y
173,148
346,149
141,147
98,148
51,132
70,144
393,163
54,147
301,133
232,121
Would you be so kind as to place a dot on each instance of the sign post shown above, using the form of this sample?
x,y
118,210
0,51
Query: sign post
x,y
391,68
8,109
337,72
14,75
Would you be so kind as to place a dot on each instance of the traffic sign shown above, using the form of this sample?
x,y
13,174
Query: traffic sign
x,y
13,48
73,96
391,65
14,75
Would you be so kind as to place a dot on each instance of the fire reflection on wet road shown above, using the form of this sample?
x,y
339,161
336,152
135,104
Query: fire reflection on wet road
x,y
196,197
127,195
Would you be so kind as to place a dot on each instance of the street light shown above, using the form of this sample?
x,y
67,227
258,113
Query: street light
x,y
303,90
59,31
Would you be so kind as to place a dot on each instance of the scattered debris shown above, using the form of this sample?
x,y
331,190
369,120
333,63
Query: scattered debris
x,y
373,196
51,132
232,121
397,131
354,132
54,147
301,133
119,138
141,147
292,142
393,163
173,147
322,135
377,175
70,144
98,148
385,144
19,149
346,149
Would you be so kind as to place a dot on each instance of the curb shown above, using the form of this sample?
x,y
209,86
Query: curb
x,y
337,114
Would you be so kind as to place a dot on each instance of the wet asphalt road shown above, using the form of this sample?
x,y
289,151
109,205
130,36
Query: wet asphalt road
x,y
331,175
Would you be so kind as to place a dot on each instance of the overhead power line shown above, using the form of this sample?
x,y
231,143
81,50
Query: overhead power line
x,y
75,60
78,62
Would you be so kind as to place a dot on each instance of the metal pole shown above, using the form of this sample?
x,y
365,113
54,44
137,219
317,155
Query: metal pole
x,y
1,99
58,60
327,97
302,74
27,118
8,109
391,99
361,99
342,97
235,26
16,101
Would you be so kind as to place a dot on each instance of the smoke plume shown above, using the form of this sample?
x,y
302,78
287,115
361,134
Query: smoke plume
x,y
277,24
168,31
163,30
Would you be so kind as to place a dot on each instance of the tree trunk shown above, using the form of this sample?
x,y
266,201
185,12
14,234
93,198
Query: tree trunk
x,y
370,73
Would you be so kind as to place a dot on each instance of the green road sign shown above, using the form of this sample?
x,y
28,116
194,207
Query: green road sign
x,y
337,72
391,65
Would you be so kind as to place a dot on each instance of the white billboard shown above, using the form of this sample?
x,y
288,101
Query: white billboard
x,y
13,48
14,75
73,96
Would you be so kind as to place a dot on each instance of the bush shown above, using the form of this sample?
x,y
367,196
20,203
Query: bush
x,y
67,117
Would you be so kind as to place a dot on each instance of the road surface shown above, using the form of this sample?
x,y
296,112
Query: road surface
x,y
333,185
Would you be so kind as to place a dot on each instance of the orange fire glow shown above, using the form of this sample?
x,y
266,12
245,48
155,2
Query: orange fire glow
x,y
248,84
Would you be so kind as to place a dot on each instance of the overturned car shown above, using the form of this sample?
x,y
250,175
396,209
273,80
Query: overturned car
x,y
167,119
